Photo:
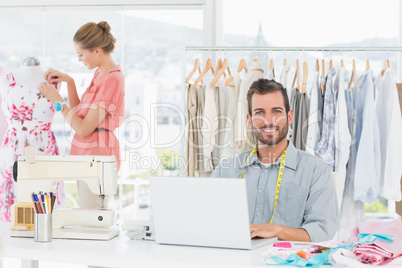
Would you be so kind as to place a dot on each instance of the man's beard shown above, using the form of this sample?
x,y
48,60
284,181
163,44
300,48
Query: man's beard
x,y
283,132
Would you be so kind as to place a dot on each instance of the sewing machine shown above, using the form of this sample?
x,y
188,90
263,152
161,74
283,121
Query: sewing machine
x,y
42,173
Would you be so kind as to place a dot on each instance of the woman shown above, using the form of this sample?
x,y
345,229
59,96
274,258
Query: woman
x,y
101,108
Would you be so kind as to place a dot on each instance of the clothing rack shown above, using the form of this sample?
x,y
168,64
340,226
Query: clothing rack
x,y
270,49
267,49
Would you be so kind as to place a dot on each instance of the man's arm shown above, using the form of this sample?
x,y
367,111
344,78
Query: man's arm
x,y
267,230
321,210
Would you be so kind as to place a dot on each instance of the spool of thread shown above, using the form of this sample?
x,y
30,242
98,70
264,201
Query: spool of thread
x,y
302,254
30,154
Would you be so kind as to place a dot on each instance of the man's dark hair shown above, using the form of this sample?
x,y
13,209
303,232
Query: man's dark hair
x,y
263,86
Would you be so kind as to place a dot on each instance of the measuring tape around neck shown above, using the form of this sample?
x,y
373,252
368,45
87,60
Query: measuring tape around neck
x,y
278,181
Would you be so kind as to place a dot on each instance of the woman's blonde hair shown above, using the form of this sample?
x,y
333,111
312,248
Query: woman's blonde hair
x,y
93,35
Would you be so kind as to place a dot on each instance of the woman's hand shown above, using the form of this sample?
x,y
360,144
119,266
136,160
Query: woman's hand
x,y
53,76
50,92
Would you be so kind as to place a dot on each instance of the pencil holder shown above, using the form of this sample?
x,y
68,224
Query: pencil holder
x,y
43,227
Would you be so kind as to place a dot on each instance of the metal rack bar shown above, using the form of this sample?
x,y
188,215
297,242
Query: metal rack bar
x,y
256,49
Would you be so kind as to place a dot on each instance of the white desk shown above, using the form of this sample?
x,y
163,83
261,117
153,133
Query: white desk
x,y
123,252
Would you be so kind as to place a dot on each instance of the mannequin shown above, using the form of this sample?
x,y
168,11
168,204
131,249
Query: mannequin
x,y
30,74
29,115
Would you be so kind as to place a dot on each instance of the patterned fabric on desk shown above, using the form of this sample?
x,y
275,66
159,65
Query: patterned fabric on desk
x,y
380,252
377,243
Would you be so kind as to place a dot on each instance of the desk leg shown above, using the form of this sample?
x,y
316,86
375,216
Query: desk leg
x,y
29,263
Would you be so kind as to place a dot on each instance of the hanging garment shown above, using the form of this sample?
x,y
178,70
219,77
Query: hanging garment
x,y
224,93
29,115
368,158
230,149
352,211
390,127
321,98
209,127
315,116
270,74
342,134
191,135
200,90
244,138
300,138
284,76
294,106
326,146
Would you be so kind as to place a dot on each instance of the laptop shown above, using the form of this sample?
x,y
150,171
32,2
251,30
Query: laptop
x,y
196,211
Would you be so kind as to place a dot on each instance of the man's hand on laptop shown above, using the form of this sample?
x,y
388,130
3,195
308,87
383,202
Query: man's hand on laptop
x,y
267,230
264,230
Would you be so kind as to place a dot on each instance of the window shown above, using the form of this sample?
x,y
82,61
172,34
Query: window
x,y
149,50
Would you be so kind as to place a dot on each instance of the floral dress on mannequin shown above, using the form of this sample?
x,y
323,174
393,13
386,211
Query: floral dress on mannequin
x,y
29,115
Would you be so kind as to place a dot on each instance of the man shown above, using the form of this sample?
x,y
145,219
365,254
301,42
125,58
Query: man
x,y
305,207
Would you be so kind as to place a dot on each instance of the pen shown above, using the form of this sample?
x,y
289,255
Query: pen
x,y
42,197
54,196
50,201
38,203
33,202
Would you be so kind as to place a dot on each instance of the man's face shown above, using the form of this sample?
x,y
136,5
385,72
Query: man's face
x,y
268,118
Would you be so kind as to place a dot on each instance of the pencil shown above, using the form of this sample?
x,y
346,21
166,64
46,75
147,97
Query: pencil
x,y
47,203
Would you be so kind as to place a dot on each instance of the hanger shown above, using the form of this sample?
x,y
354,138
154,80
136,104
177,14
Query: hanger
x,y
218,65
322,74
341,59
297,76
305,73
242,66
386,66
330,64
208,66
195,68
317,66
218,73
271,66
367,61
353,76
284,62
